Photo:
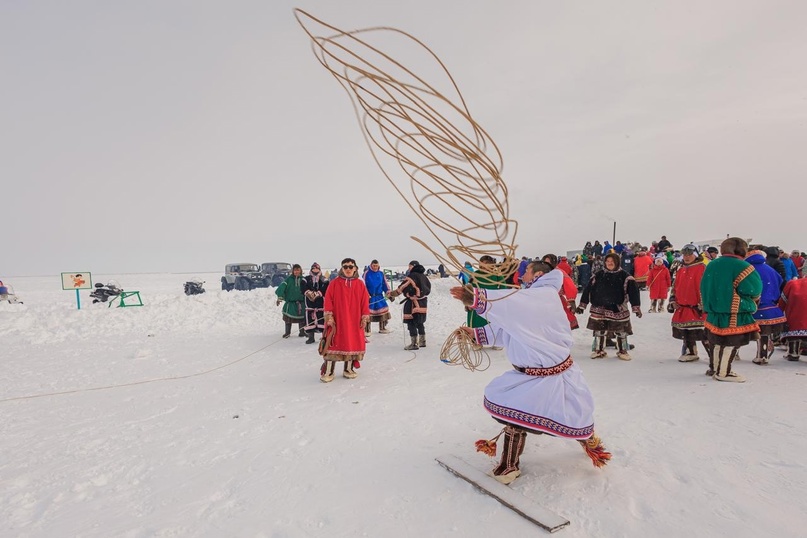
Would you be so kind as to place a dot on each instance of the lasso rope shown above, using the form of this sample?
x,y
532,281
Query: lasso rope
x,y
426,144
459,349
143,382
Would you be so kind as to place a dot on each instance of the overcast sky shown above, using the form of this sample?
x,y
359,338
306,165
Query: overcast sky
x,y
179,136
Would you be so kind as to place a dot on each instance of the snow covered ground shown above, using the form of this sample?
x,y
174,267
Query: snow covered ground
x,y
190,416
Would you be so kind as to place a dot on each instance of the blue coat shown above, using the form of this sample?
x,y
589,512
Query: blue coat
x,y
767,310
790,269
377,288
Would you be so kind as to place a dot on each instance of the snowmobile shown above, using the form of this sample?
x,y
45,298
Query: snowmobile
x,y
7,294
103,292
194,287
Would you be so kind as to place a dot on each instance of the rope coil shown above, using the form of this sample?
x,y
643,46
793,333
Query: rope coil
x,y
460,349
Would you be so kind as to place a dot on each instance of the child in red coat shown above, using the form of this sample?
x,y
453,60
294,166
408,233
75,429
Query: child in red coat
x,y
659,282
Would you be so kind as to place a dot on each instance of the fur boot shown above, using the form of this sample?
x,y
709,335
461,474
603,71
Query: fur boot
x,y
689,350
382,327
724,356
653,306
349,372
793,350
326,372
598,346
422,340
288,330
413,345
622,348
660,306
514,441
762,350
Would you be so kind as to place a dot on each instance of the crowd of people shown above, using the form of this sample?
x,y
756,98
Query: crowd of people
x,y
722,297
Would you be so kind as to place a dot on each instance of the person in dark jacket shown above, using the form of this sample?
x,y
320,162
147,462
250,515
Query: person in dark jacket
x,y
609,291
314,287
772,259
415,287
663,245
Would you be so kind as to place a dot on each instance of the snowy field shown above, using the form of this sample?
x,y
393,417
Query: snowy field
x,y
190,416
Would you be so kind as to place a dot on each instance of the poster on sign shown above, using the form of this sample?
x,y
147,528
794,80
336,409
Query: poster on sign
x,y
77,281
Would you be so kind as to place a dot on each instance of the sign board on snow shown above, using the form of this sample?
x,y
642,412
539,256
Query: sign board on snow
x,y
77,281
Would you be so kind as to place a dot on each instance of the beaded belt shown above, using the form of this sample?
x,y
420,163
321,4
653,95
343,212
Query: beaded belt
x,y
545,372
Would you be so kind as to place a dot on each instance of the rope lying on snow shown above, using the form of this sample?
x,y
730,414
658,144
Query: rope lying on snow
x,y
143,382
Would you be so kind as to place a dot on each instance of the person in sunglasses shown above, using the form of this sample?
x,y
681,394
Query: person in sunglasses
x,y
730,290
415,287
347,313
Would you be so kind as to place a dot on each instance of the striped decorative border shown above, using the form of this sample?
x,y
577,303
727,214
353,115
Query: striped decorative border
x,y
534,422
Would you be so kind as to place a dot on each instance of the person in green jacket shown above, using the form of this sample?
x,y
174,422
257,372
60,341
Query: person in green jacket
x,y
484,279
294,307
730,290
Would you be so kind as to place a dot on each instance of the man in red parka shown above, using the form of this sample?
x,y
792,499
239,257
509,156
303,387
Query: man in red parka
x,y
347,313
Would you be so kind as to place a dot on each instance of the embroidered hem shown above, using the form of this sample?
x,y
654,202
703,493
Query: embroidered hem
x,y
537,423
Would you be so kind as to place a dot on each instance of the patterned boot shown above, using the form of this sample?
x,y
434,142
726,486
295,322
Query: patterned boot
x,y
724,356
622,348
597,347
349,372
422,340
413,346
326,372
793,350
514,441
762,350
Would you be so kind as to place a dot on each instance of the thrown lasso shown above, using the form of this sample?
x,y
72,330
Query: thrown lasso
x,y
444,158
425,144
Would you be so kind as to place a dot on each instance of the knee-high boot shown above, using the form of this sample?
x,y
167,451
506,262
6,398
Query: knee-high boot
x,y
382,327
762,349
653,306
413,344
710,352
689,351
724,356
349,372
421,340
326,372
288,330
660,306
793,350
598,346
622,347
514,441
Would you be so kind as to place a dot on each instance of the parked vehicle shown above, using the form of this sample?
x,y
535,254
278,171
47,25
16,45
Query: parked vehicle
x,y
242,276
103,292
275,272
7,294
194,287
